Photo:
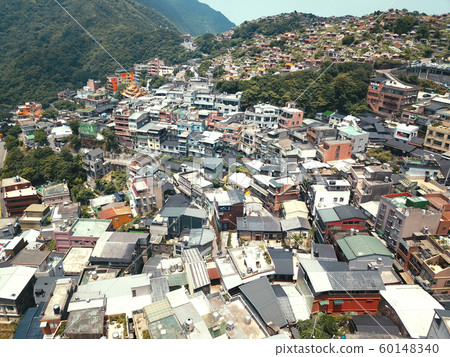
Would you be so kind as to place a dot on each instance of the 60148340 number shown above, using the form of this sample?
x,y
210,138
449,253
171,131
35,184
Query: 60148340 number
x,y
408,348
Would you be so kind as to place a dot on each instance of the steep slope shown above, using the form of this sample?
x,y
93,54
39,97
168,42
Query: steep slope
x,y
44,50
191,16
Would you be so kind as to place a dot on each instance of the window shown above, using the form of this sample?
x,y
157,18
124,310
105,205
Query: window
x,y
321,199
335,199
341,199
447,283
53,324
116,219
10,308
133,293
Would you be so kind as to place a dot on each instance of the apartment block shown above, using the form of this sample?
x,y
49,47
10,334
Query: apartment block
x,y
438,138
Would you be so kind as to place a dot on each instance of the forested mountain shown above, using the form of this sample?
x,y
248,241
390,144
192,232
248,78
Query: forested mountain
x,y
191,16
44,51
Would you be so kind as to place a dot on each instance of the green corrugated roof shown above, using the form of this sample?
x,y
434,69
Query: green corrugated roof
x,y
359,246
327,113
88,129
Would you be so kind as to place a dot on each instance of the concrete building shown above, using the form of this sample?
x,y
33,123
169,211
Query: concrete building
x,y
401,214
228,103
18,194
290,117
369,183
405,132
438,137
84,233
359,137
264,115
34,216
95,164
54,193
334,150
388,96
362,252
327,195
16,291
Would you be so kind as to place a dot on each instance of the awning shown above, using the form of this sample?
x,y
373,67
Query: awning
x,y
325,302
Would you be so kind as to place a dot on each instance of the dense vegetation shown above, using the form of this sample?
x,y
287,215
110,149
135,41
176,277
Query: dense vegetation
x,y
342,87
191,16
43,164
44,51
326,326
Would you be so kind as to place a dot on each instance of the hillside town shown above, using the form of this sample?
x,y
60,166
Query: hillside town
x,y
151,205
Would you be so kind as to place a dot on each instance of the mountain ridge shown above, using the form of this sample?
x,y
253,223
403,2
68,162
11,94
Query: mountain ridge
x,y
191,16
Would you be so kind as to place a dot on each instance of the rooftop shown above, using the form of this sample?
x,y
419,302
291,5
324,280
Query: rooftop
x,y
13,280
357,246
86,227
30,257
76,259
414,306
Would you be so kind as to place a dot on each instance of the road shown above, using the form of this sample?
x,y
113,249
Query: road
x,y
2,158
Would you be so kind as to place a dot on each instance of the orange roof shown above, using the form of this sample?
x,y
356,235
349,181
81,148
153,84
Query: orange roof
x,y
114,212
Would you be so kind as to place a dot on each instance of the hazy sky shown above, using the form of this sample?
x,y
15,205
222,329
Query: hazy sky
x,y
240,10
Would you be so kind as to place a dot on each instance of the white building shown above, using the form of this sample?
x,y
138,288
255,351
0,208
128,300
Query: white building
x,y
332,193
405,133
265,115
228,103
354,133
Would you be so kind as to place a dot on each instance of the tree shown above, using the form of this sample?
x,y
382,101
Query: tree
x,y
110,188
348,40
110,140
84,195
15,131
219,71
40,137
50,113
188,74
75,126
203,68
11,142
85,212
216,183
75,142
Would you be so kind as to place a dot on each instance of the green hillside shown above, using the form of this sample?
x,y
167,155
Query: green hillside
x,y
191,16
45,51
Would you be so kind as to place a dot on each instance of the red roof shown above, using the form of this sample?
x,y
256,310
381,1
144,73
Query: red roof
x,y
114,212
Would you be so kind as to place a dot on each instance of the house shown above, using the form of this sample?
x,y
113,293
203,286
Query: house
x,y
405,132
334,150
119,215
410,307
274,191
75,260
18,194
290,117
212,168
260,295
295,226
364,253
227,206
181,218
54,193
84,233
200,238
359,137
55,310
85,324
16,291
258,228
119,250
284,264
328,194
440,202
401,214
95,165
330,287
34,216
32,258
65,212
370,182
388,95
